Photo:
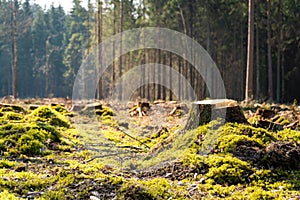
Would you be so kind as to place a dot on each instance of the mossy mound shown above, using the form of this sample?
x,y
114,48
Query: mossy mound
x,y
11,113
157,188
36,133
48,115
107,111
97,109
261,135
59,108
227,169
27,139
12,108
262,148
13,116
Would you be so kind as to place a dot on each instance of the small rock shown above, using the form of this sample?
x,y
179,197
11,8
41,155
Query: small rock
x,y
281,187
95,193
202,180
109,167
195,176
193,185
180,183
94,198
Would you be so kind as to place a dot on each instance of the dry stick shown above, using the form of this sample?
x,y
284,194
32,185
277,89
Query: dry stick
x,y
103,156
173,111
133,137
117,154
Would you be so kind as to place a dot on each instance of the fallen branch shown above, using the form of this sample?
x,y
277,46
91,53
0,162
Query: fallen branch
x,y
133,137
292,126
103,156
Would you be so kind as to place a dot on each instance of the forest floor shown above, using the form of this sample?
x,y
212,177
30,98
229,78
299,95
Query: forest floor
x,y
51,149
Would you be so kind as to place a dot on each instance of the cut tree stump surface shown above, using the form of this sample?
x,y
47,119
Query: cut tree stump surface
x,y
202,112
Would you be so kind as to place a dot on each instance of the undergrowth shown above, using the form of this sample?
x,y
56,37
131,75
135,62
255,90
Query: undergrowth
x,y
42,157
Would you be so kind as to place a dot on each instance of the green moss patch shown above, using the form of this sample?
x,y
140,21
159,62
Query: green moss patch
x,y
48,115
227,169
35,133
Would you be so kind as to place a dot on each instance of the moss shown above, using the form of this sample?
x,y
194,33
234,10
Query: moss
x,y
7,164
12,116
30,146
283,121
228,143
52,131
28,139
11,129
12,108
8,196
54,195
60,108
192,159
219,190
48,115
227,169
288,135
115,136
103,111
260,134
65,175
211,138
134,191
107,111
254,120
157,188
23,182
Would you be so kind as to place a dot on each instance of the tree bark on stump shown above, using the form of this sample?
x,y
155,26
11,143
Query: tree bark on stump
x,y
202,112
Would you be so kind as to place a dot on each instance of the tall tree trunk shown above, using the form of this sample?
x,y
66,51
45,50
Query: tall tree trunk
x,y
242,61
114,46
257,64
208,43
47,67
278,78
171,77
148,59
99,41
183,91
121,49
164,81
191,24
144,53
282,79
159,77
270,70
180,96
278,91
249,76
14,49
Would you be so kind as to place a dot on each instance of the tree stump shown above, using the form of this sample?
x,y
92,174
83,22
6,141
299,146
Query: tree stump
x,y
202,112
140,109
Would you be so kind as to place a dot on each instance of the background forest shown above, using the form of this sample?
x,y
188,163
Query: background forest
x,y
45,48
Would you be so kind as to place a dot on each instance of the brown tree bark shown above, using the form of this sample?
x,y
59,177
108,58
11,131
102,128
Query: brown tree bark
x,y
257,65
14,49
249,74
278,91
171,76
121,48
99,41
270,70
114,45
202,112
